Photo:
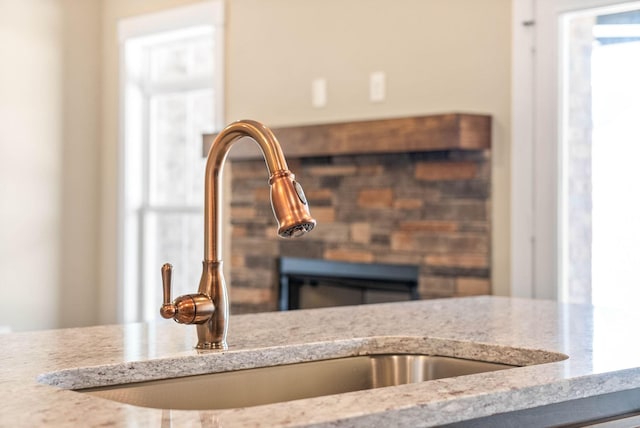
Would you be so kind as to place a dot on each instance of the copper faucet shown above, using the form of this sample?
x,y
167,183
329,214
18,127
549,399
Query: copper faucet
x,y
208,309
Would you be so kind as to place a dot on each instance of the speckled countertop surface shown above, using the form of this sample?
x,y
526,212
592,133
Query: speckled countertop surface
x,y
602,345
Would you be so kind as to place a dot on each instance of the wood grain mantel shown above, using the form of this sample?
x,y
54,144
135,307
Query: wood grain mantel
x,y
411,134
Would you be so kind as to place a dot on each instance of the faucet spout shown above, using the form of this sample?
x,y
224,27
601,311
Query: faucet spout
x,y
209,308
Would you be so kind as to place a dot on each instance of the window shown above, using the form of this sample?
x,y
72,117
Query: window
x,y
171,73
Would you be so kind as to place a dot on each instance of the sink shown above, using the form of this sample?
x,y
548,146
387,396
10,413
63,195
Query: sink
x,y
266,385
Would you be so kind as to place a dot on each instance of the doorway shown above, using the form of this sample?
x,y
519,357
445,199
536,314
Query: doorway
x,y
575,215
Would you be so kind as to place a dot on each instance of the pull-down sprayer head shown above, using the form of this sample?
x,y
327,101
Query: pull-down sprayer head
x,y
290,205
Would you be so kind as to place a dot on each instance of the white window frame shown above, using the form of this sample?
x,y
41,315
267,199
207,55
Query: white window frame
x,y
536,158
130,301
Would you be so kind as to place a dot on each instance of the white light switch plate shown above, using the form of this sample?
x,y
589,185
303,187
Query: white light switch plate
x,y
377,86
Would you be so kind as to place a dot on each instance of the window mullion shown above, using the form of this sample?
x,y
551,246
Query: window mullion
x,y
172,209
141,247
144,244
181,85
146,137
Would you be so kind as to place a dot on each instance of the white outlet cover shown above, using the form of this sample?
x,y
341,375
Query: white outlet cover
x,y
319,92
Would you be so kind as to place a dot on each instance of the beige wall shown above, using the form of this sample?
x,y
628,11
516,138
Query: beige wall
x,y
48,140
59,141
30,152
79,221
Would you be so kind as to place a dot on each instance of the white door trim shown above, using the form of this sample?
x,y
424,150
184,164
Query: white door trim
x,y
522,139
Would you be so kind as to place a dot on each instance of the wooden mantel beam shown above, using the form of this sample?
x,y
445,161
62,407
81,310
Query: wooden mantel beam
x,y
453,131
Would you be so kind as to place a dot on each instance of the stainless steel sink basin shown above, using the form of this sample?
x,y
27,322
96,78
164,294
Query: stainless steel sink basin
x,y
274,384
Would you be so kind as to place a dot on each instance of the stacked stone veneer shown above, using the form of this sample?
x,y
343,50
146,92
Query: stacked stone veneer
x,y
429,209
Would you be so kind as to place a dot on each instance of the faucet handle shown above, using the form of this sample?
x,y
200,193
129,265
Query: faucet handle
x,y
187,309
168,309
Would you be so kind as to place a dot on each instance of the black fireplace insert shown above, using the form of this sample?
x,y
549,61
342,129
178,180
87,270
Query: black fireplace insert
x,y
316,283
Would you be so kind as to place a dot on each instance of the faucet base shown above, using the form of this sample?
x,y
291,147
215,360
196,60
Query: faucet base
x,y
220,346
212,334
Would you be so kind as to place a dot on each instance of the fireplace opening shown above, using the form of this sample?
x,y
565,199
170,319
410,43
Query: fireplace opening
x,y
315,283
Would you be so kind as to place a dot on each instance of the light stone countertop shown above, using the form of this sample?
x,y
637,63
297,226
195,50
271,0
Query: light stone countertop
x,y
602,345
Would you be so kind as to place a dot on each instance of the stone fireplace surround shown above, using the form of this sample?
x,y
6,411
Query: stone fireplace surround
x,y
409,191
